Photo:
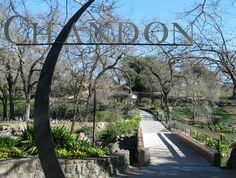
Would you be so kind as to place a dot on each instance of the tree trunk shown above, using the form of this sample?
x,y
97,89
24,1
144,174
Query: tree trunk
x,y
12,107
4,108
168,119
89,98
4,102
193,112
234,90
194,105
161,98
27,108
11,101
76,111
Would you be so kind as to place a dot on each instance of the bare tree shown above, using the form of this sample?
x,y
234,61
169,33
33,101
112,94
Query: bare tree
x,y
212,41
28,77
11,74
199,84
165,68
3,96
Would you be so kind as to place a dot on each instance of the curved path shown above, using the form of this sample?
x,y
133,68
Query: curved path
x,y
170,158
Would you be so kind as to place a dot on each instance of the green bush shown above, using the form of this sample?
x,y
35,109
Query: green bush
x,y
217,127
101,106
132,113
119,128
108,135
84,144
19,108
12,152
88,131
111,115
157,102
96,152
7,142
145,102
26,142
181,111
134,122
62,111
63,153
221,115
103,116
66,145
63,138
221,128
225,145
81,153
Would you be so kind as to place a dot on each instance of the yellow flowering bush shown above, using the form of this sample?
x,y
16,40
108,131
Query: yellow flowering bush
x,y
13,152
81,153
78,154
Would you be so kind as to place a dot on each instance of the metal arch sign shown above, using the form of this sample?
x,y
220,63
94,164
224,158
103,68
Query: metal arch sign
x,y
154,33
43,137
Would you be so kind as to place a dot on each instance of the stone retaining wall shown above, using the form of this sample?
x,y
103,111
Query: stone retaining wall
x,y
73,168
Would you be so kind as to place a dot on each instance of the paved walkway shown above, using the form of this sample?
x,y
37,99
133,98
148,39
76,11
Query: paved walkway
x,y
170,158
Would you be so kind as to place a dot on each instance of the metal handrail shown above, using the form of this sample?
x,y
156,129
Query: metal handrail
x,y
202,131
189,129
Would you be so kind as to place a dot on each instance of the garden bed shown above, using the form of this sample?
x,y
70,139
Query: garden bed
x,y
87,167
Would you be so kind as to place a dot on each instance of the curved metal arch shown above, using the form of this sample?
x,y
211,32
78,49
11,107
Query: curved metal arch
x,y
43,137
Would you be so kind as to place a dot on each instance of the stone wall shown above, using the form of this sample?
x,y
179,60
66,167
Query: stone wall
x,y
73,168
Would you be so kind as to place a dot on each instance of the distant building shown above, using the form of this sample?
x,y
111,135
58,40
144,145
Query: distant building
x,y
124,97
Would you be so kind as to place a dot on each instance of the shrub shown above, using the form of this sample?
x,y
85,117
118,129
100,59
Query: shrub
x,y
221,115
119,128
146,101
62,153
65,143
81,153
101,106
63,138
157,102
12,152
84,144
88,131
108,135
132,113
7,142
103,116
62,111
19,108
181,111
96,152
26,142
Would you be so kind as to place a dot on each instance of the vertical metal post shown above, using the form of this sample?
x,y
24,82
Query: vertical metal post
x,y
94,113
219,142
